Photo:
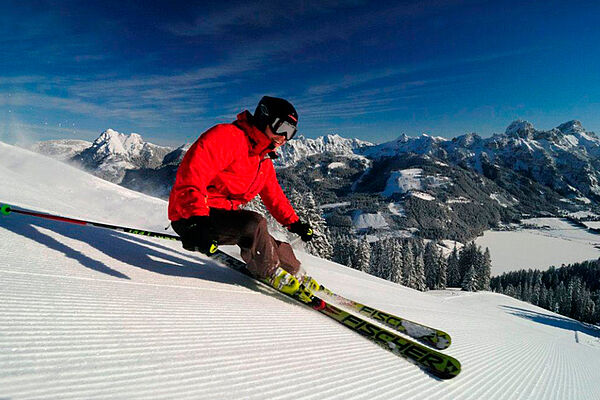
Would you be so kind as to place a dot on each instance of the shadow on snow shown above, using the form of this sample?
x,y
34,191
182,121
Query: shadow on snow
x,y
553,320
129,249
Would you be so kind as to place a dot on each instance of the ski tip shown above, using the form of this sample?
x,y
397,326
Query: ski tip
x,y
451,371
441,340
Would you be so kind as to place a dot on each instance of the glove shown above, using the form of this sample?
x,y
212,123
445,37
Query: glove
x,y
302,229
197,235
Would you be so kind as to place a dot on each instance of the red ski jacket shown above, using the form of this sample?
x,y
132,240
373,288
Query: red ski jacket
x,y
227,167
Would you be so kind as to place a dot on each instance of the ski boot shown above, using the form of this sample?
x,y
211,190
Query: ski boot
x,y
283,281
307,289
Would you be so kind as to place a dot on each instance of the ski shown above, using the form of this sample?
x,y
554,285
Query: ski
x,y
440,365
424,334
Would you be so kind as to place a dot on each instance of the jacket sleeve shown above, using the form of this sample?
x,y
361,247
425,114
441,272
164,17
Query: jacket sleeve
x,y
216,149
275,200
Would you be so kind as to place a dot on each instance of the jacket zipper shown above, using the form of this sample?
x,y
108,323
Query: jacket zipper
x,y
256,176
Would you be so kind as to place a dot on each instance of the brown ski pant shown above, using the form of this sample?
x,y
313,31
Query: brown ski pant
x,y
260,251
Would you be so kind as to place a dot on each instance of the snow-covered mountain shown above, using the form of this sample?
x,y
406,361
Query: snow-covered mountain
x,y
93,313
113,153
564,159
301,147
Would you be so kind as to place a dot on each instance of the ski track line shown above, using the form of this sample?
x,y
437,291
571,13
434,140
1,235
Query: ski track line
x,y
233,361
137,342
526,359
474,361
419,385
172,295
552,382
283,356
469,375
528,376
350,386
562,381
572,383
550,376
482,373
57,353
380,385
206,309
346,346
567,380
579,378
234,374
200,347
394,386
143,303
591,374
534,380
394,356
81,278
122,358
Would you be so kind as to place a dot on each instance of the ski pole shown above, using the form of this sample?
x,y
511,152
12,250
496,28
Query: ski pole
x,y
6,209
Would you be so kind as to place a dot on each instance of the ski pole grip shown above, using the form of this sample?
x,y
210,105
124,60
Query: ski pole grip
x,y
5,209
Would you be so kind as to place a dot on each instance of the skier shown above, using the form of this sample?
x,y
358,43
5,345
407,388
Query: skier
x,y
227,167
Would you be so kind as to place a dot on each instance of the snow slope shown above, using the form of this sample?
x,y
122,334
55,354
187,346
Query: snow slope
x,y
92,313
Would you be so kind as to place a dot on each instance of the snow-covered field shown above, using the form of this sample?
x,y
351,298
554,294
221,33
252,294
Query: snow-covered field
x,y
553,242
412,180
592,224
90,313
362,220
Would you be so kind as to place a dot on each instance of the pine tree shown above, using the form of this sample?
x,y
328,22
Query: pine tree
x,y
349,263
338,248
432,268
469,282
453,279
563,299
536,293
408,273
510,291
363,255
378,265
344,248
308,211
466,259
394,251
579,299
442,273
552,303
486,271
596,317
419,271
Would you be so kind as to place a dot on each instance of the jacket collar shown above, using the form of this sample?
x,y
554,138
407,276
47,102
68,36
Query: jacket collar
x,y
260,144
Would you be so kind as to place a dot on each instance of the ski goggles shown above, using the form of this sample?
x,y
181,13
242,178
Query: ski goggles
x,y
283,128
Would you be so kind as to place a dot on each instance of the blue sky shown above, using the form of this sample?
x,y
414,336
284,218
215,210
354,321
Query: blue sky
x,y
373,70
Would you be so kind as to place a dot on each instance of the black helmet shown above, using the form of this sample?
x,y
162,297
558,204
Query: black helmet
x,y
277,113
